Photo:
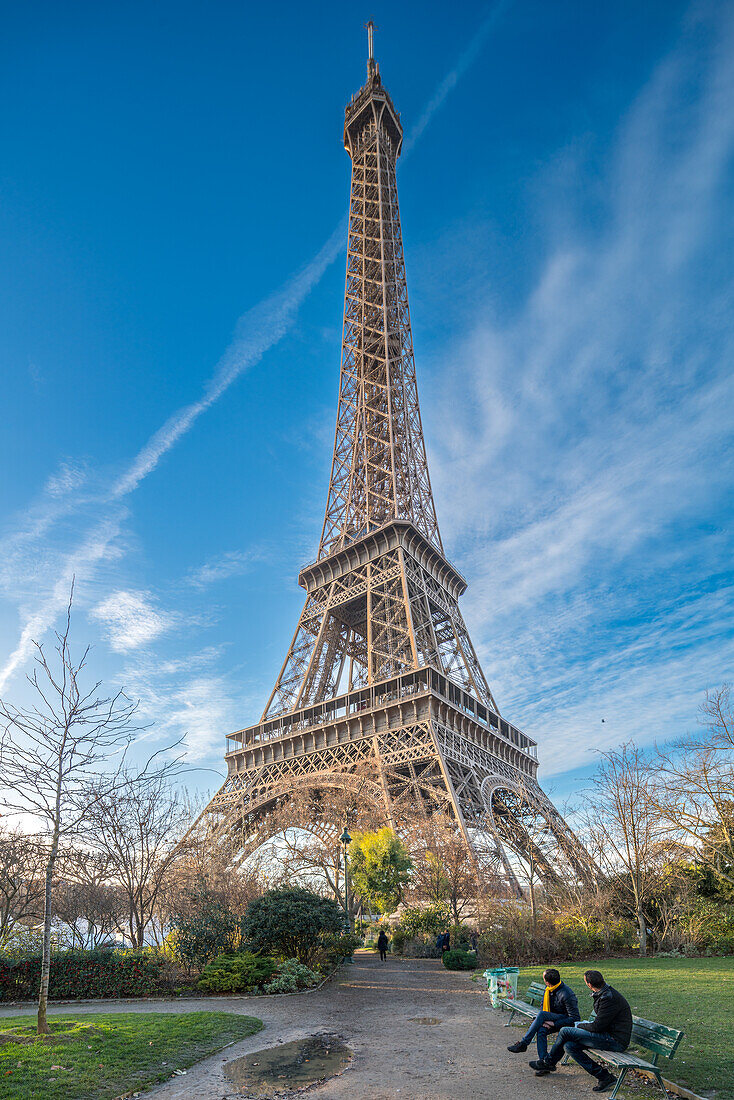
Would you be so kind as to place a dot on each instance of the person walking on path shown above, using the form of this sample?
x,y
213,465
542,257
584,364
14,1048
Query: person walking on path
x,y
382,944
560,1009
611,1029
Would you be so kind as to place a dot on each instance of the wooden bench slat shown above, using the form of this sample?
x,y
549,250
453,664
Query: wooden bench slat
x,y
520,1006
658,1051
621,1059
656,1029
529,1007
658,1038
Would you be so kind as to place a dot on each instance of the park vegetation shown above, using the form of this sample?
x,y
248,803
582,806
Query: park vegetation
x,y
110,1055
119,892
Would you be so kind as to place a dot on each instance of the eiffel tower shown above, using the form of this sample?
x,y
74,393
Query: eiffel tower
x,y
381,690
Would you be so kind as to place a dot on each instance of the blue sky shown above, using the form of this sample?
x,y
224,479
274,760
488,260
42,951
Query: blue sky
x,y
173,189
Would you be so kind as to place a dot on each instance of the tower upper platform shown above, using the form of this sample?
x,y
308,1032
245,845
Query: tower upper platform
x,y
371,108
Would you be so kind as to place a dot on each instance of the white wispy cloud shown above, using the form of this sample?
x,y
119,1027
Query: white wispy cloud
x,y
257,331
131,620
46,580
65,496
190,698
585,473
231,564
69,477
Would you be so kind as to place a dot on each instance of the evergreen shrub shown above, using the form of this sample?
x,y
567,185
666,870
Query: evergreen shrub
x,y
293,923
456,959
334,949
291,977
240,973
206,928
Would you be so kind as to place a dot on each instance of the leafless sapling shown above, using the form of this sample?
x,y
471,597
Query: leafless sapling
x,y
59,757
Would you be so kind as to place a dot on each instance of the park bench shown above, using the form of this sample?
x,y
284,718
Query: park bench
x,y
530,1006
660,1040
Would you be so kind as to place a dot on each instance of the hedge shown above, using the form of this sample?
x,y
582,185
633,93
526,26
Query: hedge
x,y
456,959
99,973
237,973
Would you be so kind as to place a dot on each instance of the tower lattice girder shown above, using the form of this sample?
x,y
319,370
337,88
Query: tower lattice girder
x,y
381,691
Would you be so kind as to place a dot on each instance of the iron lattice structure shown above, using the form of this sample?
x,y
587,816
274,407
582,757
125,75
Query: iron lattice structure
x,y
381,690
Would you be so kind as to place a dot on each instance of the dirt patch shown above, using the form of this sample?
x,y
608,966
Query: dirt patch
x,y
423,1020
275,1070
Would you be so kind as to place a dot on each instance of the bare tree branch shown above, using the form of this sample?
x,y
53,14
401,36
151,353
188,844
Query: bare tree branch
x,y
61,757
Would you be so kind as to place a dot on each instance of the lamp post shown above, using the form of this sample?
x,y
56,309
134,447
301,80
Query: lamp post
x,y
346,840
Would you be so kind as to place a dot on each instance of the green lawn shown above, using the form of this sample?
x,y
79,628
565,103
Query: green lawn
x,y
694,995
103,1055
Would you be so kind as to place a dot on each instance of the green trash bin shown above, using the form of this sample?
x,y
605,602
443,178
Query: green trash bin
x,y
494,976
512,973
501,983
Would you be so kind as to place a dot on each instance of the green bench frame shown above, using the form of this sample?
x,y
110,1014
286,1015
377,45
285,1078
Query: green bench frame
x,y
660,1040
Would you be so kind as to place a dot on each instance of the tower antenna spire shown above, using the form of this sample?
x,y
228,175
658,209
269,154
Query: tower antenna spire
x,y
371,28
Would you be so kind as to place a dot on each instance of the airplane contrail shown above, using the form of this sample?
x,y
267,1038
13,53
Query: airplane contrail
x,y
452,78
257,330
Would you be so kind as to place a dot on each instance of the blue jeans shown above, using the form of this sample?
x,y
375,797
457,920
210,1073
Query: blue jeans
x,y
540,1034
576,1041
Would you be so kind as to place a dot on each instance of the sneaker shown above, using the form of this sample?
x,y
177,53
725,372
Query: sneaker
x,y
542,1067
606,1082
518,1048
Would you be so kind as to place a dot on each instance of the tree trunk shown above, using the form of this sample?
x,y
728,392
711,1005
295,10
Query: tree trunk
x,y
642,925
42,1027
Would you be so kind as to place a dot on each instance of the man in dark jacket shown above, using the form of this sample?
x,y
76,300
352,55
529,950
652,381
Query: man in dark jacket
x,y
562,1010
443,942
382,944
611,1029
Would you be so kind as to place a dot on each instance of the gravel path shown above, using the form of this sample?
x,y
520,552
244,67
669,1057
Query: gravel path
x,y
382,1012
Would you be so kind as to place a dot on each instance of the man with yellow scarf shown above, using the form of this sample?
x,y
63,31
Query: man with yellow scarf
x,y
560,1009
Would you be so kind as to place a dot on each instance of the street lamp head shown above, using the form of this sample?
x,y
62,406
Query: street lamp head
x,y
345,837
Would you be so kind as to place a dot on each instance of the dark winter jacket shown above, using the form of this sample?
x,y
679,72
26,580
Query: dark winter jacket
x,y
613,1015
563,1001
382,942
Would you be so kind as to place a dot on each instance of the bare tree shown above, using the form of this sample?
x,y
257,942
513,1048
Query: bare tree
x,y
205,865
696,788
628,831
443,869
137,828
588,905
22,867
310,861
60,757
671,898
85,899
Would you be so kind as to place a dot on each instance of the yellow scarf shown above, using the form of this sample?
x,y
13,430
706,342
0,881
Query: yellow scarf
x,y
546,996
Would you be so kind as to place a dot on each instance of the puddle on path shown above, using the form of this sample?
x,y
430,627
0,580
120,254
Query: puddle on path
x,y
423,1020
289,1065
